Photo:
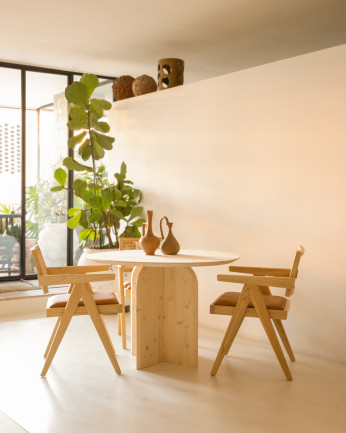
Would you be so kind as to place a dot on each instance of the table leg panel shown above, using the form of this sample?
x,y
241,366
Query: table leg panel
x,y
149,305
165,316
179,329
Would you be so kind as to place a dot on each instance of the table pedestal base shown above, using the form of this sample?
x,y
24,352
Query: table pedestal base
x,y
164,316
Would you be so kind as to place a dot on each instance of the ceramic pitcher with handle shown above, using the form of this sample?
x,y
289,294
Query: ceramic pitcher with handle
x,y
169,244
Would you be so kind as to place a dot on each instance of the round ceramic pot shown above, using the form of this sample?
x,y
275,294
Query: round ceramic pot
x,y
102,286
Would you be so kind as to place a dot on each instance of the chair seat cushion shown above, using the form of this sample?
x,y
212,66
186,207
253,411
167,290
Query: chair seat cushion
x,y
101,298
230,299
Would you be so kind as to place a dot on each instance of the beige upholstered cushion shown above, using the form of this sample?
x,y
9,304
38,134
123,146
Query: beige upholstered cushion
x,y
230,299
101,298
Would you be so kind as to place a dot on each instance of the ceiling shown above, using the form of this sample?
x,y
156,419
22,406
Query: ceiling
x,y
214,37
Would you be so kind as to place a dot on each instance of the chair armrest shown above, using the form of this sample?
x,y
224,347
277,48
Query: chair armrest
x,y
274,272
285,282
48,280
77,269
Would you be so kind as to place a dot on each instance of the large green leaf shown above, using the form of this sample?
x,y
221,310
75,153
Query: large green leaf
x,y
86,196
90,82
123,169
71,164
117,195
139,222
94,185
98,151
72,211
95,216
76,124
72,223
84,219
107,198
135,195
77,112
136,212
77,94
120,178
60,176
98,105
57,188
76,139
86,234
101,126
96,111
103,140
117,214
95,202
85,150
79,186
120,203
102,103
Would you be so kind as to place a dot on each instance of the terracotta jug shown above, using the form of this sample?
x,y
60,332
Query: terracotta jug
x,y
169,245
149,242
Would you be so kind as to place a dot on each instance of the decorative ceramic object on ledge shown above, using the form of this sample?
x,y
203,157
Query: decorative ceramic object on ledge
x,y
122,87
144,84
170,73
169,245
149,243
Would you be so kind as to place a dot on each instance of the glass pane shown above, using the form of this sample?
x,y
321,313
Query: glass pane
x,y
10,171
46,147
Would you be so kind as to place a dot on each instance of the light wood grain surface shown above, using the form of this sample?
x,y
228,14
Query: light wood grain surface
x,y
185,258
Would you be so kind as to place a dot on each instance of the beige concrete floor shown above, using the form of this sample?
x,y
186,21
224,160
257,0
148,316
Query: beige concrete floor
x,y
82,393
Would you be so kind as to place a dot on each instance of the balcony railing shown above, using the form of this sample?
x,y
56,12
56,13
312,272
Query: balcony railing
x,y
9,243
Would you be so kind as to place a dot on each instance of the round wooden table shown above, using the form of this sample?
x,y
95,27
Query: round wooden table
x,y
164,319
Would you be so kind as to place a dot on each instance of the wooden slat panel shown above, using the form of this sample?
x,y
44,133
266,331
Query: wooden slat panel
x,y
275,272
284,282
250,312
73,279
82,311
77,269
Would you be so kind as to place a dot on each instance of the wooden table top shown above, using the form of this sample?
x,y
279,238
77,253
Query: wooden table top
x,y
185,258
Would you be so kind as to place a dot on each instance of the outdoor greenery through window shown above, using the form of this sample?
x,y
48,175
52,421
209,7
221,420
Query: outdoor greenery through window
x,y
33,144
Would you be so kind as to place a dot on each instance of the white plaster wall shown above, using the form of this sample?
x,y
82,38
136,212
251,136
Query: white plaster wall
x,y
253,162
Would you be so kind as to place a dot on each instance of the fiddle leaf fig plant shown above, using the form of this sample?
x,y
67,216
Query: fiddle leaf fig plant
x,y
109,209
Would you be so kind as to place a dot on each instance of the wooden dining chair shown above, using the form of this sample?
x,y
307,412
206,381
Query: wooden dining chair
x,y
256,300
124,288
79,300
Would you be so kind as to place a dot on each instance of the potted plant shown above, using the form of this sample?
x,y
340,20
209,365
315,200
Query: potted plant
x,y
104,209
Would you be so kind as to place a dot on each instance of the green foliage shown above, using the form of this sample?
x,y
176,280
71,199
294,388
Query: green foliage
x,y
44,207
108,209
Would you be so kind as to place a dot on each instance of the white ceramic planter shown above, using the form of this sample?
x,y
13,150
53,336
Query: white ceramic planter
x,y
53,243
102,286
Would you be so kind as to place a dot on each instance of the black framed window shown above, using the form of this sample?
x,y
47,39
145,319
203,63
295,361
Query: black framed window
x,y
33,142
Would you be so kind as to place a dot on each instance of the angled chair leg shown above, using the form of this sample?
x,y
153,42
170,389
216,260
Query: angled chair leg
x,y
65,321
99,325
262,312
281,331
233,328
119,323
121,319
110,340
52,337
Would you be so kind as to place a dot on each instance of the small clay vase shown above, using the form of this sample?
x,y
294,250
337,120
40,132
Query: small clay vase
x,y
169,245
149,243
